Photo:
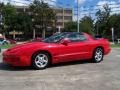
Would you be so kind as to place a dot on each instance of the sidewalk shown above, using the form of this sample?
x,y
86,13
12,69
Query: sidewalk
x,y
2,50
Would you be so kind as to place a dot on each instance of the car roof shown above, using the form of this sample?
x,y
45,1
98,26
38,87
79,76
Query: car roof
x,y
73,33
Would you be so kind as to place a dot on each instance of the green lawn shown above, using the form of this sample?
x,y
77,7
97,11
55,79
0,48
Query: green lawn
x,y
115,45
6,46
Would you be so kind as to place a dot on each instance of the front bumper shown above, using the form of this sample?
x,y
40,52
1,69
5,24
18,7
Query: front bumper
x,y
15,60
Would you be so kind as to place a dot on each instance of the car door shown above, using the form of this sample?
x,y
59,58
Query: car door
x,y
77,49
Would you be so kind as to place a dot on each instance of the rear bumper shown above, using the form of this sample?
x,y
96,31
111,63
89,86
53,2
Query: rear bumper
x,y
107,51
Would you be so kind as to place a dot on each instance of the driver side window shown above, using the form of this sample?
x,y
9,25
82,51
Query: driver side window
x,y
77,37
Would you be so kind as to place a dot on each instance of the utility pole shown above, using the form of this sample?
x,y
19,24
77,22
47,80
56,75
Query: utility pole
x,y
78,16
59,29
113,39
34,32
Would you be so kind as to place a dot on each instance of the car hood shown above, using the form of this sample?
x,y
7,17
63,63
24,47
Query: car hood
x,y
26,46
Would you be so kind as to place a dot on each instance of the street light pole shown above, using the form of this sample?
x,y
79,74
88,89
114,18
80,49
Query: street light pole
x,y
78,16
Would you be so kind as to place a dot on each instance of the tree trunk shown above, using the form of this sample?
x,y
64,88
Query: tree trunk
x,y
14,36
43,33
34,33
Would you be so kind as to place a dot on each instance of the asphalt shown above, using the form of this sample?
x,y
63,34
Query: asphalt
x,y
82,75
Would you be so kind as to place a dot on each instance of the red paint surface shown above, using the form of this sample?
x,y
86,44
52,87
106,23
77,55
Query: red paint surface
x,y
21,55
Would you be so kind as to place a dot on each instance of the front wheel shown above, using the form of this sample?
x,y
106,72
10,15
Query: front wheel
x,y
98,55
41,61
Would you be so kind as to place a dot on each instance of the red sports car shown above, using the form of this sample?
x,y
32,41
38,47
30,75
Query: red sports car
x,y
61,47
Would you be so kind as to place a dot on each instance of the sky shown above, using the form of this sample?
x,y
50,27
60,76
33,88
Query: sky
x,y
85,6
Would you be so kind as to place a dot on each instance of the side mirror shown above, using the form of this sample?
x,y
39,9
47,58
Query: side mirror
x,y
65,41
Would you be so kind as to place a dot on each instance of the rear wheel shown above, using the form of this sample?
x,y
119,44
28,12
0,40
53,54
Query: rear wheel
x,y
41,60
98,55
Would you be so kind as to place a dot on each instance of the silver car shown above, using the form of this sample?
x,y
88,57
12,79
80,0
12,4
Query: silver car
x,y
3,41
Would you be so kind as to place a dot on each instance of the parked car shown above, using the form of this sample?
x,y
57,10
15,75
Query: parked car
x,y
12,41
61,47
3,41
37,39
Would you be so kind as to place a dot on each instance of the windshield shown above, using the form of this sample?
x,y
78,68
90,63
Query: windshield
x,y
55,38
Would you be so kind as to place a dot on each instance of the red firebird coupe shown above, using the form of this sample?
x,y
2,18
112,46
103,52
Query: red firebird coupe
x,y
60,47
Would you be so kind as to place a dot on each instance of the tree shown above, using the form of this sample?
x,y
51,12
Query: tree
x,y
86,25
23,22
1,7
14,21
102,25
9,12
1,17
42,15
114,21
71,26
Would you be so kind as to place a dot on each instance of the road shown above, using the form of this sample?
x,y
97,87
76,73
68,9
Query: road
x,y
67,76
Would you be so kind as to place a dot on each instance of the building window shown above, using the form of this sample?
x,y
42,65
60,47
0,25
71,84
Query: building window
x,y
27,10
20,9
68,11
59,11
68,18
59,23
59,17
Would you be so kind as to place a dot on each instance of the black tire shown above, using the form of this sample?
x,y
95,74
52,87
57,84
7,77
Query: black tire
x,y
37,61
98,55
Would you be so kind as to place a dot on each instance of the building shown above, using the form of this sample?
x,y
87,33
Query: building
x,y
63,15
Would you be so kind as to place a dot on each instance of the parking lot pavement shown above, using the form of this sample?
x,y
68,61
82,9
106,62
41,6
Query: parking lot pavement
x,y
67,76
